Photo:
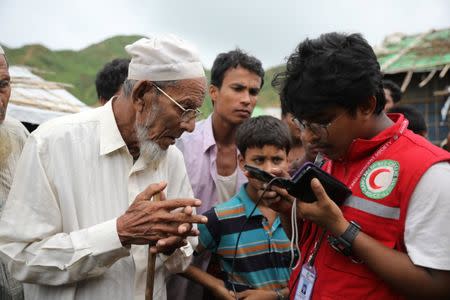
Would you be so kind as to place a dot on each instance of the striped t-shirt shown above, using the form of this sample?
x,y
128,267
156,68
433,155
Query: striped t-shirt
x,y
263,254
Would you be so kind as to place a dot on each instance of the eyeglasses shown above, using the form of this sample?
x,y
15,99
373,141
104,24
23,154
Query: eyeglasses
x,y
188,114
316,128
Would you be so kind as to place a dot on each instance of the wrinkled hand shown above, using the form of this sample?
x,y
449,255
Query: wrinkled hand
x,y
169,244
147,222
257,295
324,211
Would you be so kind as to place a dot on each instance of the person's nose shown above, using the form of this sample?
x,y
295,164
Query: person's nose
x,y
188,126
246,98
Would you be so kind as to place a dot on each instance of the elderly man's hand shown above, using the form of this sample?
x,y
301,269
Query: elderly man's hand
x,y
147,222
169,244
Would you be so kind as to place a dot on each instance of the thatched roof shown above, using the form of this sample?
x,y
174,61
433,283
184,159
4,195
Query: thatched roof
x,y
35,100
423,52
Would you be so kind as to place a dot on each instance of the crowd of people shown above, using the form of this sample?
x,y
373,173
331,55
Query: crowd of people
x,y
86,199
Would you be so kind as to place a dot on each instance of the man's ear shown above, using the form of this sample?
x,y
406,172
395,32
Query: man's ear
x,y
138,93
241,161
213,91
368,109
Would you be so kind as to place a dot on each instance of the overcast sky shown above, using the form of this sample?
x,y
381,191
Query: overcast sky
x,y
270,30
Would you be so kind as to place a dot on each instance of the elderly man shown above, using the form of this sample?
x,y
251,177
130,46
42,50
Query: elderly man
x,y
12,139
79,216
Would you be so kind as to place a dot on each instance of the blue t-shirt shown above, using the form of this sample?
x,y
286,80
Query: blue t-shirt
x,y
263,254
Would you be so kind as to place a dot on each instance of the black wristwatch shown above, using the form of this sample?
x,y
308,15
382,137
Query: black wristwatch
x,y
344,242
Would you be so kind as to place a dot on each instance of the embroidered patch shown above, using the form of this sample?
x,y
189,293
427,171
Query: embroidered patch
x,y
380,179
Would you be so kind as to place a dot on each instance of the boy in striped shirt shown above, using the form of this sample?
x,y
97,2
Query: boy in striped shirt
x,y
261,266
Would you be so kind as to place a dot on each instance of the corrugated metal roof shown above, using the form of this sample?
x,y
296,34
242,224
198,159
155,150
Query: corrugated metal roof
x,y
422,52
35,100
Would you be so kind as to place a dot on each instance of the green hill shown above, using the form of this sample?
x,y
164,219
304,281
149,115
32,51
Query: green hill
x,y
268,96
79,68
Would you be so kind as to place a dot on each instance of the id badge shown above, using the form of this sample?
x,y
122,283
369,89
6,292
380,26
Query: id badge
x,y
306,282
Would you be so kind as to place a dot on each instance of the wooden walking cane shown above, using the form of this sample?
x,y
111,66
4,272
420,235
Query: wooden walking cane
x,y
151,266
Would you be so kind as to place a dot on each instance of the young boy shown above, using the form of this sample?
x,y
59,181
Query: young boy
x,y
261,267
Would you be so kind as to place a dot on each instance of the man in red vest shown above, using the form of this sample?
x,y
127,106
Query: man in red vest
x,y
391,238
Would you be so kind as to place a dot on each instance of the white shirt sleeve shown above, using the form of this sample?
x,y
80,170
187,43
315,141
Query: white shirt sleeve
x,y
427,228
35,248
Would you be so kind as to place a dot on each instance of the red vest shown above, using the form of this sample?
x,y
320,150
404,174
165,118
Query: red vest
x,y
379,204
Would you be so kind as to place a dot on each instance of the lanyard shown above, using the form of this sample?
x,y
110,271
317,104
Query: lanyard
x,y
380,151
317,244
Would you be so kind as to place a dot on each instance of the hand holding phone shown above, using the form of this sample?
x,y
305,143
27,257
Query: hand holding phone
x,y
299,185
266,177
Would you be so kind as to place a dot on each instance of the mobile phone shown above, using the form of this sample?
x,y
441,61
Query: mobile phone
x,y
266,177
301,185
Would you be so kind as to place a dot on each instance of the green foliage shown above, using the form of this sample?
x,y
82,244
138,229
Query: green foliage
x,y
268,96
79,68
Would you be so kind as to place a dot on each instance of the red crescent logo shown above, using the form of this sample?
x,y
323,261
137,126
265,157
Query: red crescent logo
x,y
374,174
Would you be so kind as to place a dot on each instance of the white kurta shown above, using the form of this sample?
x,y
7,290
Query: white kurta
x,y
58,229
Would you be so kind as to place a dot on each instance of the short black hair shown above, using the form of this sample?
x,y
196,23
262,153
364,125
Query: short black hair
x,y
261,131
396,93
334,70
284,108
416,120
234,59
111,77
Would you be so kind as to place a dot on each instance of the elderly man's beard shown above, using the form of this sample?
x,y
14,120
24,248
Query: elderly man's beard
x,y
149,150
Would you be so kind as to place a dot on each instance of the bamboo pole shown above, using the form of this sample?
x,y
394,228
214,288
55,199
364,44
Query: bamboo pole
x,y
444,71
151,267
427,79
406,81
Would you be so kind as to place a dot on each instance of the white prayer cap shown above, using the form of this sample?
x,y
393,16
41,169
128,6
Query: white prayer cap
x,y
1,51
163,58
